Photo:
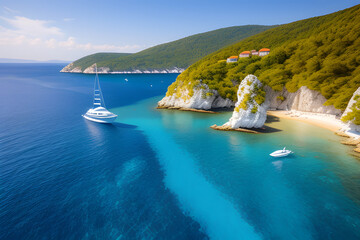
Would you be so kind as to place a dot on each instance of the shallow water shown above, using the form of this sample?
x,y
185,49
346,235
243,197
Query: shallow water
x,y
159,174
228,183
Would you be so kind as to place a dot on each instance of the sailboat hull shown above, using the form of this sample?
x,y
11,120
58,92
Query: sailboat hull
x,y
100,120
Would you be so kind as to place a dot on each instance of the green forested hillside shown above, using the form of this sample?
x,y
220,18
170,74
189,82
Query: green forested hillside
x,y
322,53
89,60
181,53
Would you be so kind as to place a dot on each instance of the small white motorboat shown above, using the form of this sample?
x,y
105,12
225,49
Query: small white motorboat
x,y
99,113
281,153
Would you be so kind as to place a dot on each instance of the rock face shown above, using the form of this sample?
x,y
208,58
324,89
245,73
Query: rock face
x,y
349,113
91,69
304,99
250,109
202,98
71,68
106,70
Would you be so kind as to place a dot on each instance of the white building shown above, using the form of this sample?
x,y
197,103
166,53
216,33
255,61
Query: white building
x,y
232,59
264,52
244,54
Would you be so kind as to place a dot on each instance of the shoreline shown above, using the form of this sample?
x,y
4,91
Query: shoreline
x,y
121,73
187,109
326,121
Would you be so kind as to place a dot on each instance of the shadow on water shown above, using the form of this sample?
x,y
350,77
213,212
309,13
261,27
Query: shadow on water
x,y
113,125
271,119
267,129
121,125
222,110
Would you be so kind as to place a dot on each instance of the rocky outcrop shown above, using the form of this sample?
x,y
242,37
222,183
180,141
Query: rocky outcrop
x,y
92,68
71,68
250,109
304,100
106,70
351,112
149,71
202,98
227,128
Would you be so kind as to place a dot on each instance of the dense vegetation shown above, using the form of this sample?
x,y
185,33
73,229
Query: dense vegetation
x,y
322,53
181,53
89,60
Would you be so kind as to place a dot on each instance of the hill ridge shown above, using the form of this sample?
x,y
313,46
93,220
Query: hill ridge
x,y
177,54
320,53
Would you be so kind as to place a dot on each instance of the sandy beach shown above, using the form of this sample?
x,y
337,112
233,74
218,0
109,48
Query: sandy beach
x,y
326,121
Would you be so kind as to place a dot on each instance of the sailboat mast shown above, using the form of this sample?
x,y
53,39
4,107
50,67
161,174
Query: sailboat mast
x,y
98,97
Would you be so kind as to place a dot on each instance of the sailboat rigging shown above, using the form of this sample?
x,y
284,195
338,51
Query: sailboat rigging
x,y
99,113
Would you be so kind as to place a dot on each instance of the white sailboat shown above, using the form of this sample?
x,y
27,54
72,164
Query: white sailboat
x,y
99,113
281,153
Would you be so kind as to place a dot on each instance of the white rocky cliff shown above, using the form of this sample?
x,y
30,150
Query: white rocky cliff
x,y
349,115
92,68
304,100
250,109
202,98
106,70
70,68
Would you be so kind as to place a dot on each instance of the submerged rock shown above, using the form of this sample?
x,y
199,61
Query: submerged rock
x,y
250,109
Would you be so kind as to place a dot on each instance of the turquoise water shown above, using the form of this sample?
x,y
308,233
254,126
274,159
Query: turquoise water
x,y
160,174
228,183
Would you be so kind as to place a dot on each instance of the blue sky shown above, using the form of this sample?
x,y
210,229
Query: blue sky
x,y
68,30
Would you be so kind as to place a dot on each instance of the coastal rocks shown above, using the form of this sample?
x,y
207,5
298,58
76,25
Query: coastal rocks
x,y
342,134
106,70
351,142
187,109
250,109
357,150
304,99
350,115
92,68
227,128
149,71
201,98
71,68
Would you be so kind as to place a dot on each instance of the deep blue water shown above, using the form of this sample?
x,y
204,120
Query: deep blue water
x,y
159,174
62,177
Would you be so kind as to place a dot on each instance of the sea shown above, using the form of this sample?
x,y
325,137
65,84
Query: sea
x,y
160,174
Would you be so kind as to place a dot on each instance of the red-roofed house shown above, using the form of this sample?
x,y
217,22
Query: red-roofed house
x,y
244,54
232,59
264,51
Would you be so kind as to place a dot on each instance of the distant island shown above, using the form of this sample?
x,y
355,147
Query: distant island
x,y
14,60
311,66
172,57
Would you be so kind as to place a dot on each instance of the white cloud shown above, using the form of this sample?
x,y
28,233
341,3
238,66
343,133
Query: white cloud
x,y
37,38
32,27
